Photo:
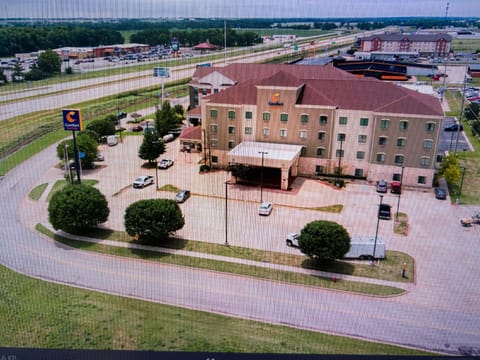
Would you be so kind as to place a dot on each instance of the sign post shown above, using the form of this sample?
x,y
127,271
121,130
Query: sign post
x,y
163,73
72,120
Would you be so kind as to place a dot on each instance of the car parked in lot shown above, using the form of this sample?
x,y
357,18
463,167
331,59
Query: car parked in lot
x,y
454,127
99,157
265,208
136,128
382,186
385,212
292,239
182,196
440,194
142,181
165,163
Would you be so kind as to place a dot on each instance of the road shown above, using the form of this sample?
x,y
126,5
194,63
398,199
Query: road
x,y
443,316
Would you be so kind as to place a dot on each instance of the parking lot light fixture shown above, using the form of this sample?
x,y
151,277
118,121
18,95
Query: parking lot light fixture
x,y
400,194
376,232
226,211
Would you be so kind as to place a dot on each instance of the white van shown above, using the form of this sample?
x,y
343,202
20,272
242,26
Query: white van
x,y
168,138
112,140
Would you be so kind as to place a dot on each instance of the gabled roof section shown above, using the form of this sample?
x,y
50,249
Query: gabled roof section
x,y
281,79
244,93
217,77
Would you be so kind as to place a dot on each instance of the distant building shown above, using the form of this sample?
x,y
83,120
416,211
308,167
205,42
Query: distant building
x,y
314,120
425,45
115,50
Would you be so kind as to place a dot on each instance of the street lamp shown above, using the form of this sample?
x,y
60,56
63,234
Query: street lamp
x,y
339,170
461,185
156,173
226,211
376,232
261,181
400,193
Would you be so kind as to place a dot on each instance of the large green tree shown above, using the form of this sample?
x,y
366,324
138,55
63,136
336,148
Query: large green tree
x,y
86,144
77,208
49,62
153,220
167,118
152,146
324,240
450,170
102,127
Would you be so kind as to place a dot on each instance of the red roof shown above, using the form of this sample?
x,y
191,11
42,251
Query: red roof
x,y
321,85
205,46
192,133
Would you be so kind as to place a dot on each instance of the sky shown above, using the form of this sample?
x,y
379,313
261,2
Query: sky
x,y
51,9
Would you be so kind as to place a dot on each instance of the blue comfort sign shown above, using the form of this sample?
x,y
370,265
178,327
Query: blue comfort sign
x,y
72,120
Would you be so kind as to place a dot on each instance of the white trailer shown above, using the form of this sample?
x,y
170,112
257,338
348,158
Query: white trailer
x,y
362,247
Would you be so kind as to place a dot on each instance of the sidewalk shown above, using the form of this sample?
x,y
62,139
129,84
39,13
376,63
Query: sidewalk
x,y
405,286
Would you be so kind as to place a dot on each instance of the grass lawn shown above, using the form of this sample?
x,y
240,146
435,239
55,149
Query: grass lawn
x,y
38,314
37,191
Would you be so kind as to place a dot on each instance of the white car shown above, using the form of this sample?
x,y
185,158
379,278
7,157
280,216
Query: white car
x,y
265,208
142,181
292,239
165,163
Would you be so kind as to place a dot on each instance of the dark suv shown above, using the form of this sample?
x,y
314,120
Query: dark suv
x,y
385,212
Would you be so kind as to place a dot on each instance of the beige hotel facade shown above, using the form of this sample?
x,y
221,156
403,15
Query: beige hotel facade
x,y
311,120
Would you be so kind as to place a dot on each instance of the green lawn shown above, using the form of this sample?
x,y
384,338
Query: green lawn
x,y
38,314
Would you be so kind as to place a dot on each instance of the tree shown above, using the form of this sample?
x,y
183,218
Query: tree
x,y
167,118
77,208
152,147
49,62
153,220
472,111
3,77
86,144
102,127
324,240
17,73
450,170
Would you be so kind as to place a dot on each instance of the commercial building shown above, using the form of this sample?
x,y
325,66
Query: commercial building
x,y
310,120
424,45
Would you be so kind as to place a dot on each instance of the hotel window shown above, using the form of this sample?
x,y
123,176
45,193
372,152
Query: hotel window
x,y
363,121
424,161
248,115
319,169
231,114
304,119
213,113
340,153
204,91
283,117
342,120
320,152
266,131
401,142
403,125
303,134
384,124
323,120
283,133
382,140
248,130
422,180
430,127
213,129
360,154
399,159
266,116
303,151
362,139
214,159
214,143
380,157
231,130
358,172
396,177
321,135
231,144
341,137
427,144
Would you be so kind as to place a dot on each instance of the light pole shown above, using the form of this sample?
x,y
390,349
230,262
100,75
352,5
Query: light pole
x,y
461,185
339,170
226,212
261,181
376,232
400,193
156,173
